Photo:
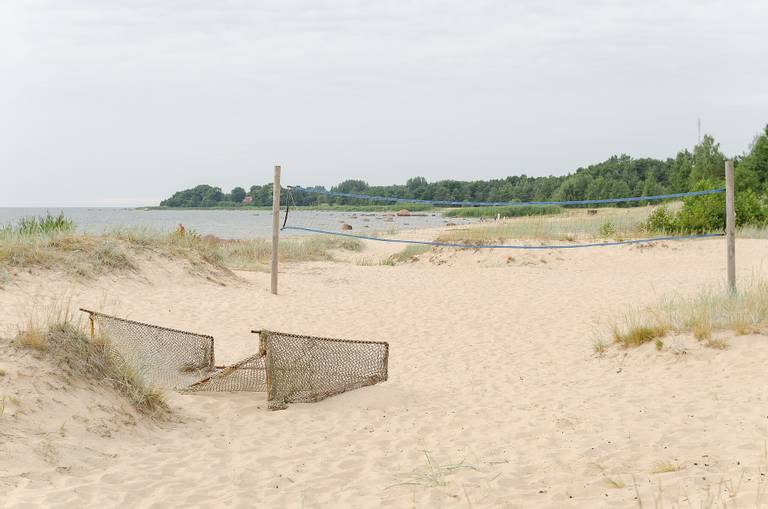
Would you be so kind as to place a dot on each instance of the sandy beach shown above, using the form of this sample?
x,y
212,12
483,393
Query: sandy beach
x,y
495,397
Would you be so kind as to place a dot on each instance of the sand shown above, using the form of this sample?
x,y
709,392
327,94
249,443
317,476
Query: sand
x,y
491,371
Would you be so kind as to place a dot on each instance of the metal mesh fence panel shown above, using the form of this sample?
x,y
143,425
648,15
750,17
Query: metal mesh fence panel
x,y
247,375
290,368
163,357
306,368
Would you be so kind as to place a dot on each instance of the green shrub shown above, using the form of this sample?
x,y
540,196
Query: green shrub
x,y
750,210
661,220
703,213
707,213
607,229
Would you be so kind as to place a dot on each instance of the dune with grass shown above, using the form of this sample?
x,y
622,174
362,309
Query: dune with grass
x,y
608,377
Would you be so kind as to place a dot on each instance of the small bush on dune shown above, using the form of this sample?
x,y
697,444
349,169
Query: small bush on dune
x,y
70,346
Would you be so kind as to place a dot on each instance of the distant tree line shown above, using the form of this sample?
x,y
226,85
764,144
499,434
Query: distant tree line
x,y
618,176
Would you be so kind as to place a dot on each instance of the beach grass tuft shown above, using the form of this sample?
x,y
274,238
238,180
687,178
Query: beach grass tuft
x,y
614,483
663,467
64,341
409,254
638,335
433,475
701,315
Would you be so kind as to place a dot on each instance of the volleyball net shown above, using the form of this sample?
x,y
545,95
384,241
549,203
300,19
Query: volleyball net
x,y
564,224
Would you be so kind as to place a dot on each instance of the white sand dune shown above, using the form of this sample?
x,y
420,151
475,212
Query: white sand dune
x,y
491,370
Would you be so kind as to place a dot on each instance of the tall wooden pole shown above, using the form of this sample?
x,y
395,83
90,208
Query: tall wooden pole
x,y
730,225
275,227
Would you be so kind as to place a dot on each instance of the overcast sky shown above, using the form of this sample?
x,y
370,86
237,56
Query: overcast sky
x,y
106,102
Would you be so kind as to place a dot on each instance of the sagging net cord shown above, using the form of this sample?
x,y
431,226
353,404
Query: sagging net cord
x,y
507,246
509,204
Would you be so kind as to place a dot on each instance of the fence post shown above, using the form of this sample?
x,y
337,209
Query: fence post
x,y
275,227
730,225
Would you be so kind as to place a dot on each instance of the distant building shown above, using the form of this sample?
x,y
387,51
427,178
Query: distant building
x,y
248,200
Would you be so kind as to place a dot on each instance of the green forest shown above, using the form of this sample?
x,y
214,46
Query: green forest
x,y
616,177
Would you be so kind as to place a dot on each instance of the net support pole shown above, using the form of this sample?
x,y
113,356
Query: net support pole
x,y
275,227
730,225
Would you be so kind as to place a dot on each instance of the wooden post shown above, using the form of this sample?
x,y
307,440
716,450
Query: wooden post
x,y
92,328
730,225
275,227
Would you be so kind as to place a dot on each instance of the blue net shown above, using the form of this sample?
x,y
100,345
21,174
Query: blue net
x,y
444,223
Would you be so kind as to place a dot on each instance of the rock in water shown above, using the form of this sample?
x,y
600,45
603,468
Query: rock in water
x,y
346,226
403,212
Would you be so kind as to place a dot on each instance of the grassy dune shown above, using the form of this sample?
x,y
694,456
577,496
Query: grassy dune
x,y
88,255
61,339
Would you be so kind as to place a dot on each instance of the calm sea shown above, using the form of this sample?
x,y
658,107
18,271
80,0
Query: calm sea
x,y
228,224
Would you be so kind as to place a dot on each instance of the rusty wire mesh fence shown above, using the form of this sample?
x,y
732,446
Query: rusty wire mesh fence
x,y
163,357
289,368
249,375
307,368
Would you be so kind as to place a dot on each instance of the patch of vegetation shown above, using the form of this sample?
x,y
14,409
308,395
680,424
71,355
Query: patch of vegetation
x,y
44,224
704,214
409,254
717,344
638,335
743,312
256,254
570,226
614,483
69,346
88,256
599,347
607,229
506,211
433,475
663,467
